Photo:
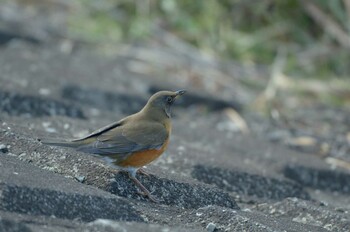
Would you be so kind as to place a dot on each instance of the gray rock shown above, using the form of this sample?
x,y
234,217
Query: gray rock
x,y
210,227
35,201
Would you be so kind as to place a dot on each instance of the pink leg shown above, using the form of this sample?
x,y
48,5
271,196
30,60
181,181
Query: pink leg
x,y
143,188
143,172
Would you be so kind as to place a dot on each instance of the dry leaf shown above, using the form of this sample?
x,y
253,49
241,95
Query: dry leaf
x,y
237,119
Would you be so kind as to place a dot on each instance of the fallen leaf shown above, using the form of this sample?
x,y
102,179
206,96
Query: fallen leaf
x,y
237,119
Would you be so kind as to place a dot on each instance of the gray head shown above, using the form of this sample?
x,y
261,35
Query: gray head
x,y
162,101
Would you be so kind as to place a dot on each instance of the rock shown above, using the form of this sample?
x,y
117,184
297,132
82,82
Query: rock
x,y
45,202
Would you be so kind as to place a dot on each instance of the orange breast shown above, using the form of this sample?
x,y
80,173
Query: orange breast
x,y
141,158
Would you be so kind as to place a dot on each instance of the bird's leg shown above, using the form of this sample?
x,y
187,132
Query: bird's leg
x,y
145,191
143,172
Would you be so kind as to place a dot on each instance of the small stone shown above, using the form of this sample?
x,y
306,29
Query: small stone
x,y
22,155
199,214
3,148
49,168
95,112
51,130
80,178
46,124
341,210
323,203
211,227
328,226
44,91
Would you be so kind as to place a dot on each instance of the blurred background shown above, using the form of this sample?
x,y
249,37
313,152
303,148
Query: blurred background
x,y
292,46
287,61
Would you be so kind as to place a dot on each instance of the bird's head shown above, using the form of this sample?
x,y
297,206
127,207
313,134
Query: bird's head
x,y
162,101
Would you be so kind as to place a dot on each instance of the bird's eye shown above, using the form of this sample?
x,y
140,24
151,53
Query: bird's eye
x,y
169,99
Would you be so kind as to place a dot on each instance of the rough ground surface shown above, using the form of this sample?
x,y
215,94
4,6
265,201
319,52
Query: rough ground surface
x,y
212,177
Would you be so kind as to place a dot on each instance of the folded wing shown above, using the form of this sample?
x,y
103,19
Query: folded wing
x,y
127,138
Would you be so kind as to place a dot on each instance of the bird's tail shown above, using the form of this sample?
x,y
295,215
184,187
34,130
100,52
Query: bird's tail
x,y
61,143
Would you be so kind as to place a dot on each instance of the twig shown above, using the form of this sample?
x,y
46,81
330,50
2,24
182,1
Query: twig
x,y
237,119
277,79
347,7
276,75
329,24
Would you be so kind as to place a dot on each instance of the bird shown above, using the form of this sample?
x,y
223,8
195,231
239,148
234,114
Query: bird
x,y
132,142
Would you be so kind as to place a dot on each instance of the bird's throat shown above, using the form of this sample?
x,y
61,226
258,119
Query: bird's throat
x,y
167,110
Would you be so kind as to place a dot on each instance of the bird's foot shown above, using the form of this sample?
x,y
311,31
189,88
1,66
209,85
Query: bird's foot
x,y
153,199
149,195
144,191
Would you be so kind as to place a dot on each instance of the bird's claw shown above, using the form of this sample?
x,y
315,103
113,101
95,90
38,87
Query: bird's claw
x,y
152,198
143,172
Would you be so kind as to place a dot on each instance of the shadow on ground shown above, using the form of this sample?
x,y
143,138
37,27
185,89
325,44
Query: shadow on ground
x,y
124,103
170,192
329,180
248,184
6,37
17,104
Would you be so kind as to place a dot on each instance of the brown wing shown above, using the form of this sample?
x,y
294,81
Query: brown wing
x,y
127,138
99,131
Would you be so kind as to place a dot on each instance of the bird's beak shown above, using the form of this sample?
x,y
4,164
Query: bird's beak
x,y
180,92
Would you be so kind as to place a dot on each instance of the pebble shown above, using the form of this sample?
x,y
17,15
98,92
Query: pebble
x,y
22,155
3,148
44,91
66,126
211,227
80,178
